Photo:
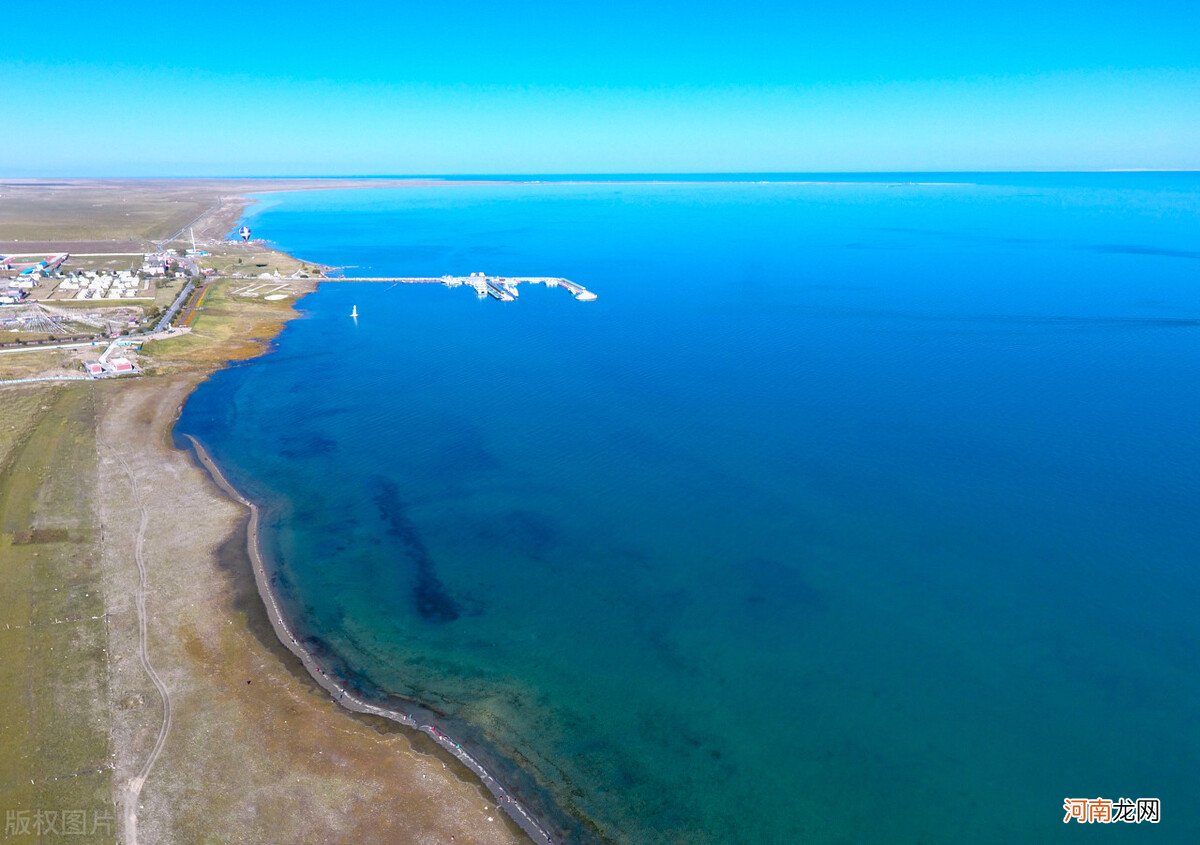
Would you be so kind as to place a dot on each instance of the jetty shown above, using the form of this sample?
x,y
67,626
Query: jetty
x,y
503,288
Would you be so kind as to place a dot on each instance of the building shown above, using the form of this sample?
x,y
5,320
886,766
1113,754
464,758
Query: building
x,y
93,368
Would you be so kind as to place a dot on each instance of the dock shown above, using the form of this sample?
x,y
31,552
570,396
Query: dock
x,y
503,288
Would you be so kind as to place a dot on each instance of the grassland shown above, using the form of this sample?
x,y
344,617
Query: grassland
x,y
54,719
30,363
84,210
252,259
225,328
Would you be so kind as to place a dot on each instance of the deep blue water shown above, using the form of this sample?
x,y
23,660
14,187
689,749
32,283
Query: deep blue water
x,y
854,512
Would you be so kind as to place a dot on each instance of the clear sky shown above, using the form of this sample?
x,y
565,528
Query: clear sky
x,y
301,87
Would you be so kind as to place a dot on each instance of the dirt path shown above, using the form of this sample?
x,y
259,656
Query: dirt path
x,y
133,790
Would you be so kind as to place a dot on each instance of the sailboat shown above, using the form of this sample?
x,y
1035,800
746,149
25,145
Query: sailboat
x,y
354,312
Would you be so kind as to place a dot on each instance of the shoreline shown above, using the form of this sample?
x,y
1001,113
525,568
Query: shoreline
x,y
219,222
336,683
271,753
342,695
515,810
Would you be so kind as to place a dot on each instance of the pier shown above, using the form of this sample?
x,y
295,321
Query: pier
x,y
503,288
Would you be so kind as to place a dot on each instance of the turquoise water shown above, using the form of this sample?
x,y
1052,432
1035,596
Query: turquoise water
x,y
852,512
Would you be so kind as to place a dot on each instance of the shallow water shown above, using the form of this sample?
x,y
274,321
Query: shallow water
x,y
849,512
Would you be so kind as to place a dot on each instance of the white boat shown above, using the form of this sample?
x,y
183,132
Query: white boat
x,y
354,312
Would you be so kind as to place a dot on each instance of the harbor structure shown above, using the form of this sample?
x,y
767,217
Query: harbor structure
x,y
502,288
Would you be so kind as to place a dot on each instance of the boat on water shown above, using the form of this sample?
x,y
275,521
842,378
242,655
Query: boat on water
x,y
354,312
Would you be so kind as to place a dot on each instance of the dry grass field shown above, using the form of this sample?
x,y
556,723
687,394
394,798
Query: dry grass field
x,y
100,215
30,363
104,212
54,705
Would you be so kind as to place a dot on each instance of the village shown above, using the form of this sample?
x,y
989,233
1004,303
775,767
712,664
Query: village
x,y
30,278
88,301
99,308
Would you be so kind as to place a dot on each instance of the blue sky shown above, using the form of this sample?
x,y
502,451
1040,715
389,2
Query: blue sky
x,y
470,87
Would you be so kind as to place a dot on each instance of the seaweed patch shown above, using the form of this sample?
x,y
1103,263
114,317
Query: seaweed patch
x,y
433,602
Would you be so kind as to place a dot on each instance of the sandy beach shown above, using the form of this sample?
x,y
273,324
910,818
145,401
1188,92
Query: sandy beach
x,y
274,758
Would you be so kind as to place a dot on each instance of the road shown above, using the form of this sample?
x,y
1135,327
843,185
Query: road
x,y
36,379
179,234
43,346
175,306
72,254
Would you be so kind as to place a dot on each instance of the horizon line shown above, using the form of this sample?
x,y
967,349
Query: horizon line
x,y
615,173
